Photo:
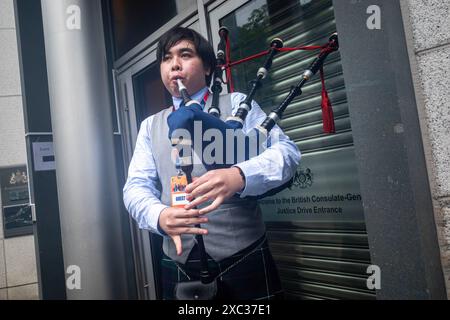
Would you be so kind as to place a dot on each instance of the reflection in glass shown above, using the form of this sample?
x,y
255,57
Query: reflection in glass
x,y
133,21
17,217
150,94
254,25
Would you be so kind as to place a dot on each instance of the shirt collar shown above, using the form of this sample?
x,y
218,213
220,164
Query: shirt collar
x,y
198,96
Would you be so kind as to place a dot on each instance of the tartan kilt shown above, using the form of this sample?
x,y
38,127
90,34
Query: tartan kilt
x,y
255,277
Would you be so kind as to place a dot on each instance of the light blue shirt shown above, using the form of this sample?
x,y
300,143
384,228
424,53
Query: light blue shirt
x,y
270,169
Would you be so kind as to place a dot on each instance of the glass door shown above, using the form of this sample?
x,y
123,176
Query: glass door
x,y
316,228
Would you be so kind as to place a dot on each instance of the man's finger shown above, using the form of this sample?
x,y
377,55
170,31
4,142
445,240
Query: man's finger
x,y
198,201
191,213
177,240
200,190
213,206
195,183
189,222
193,230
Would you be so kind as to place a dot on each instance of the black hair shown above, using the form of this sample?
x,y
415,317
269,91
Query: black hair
x,y
202,46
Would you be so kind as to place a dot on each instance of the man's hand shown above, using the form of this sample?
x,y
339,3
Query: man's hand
x,y
218,185
177,221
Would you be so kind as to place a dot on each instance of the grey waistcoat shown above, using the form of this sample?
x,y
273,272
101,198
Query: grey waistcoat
x,y
235,225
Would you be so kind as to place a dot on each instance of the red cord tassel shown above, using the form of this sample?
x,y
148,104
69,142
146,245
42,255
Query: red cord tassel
x,y
327,109
228,70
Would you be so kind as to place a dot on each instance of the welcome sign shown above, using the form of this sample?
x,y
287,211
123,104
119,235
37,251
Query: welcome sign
x,y
325,187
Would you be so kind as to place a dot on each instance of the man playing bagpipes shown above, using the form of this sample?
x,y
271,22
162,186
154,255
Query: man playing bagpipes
x,y
231,222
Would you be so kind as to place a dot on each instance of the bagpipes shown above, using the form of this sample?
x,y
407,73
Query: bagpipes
x,y
182,127
235,146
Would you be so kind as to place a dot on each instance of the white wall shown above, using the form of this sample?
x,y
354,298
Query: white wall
x,y
427,25
18,277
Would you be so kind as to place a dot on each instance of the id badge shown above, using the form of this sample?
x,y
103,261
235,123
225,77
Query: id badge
x,y
178,186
